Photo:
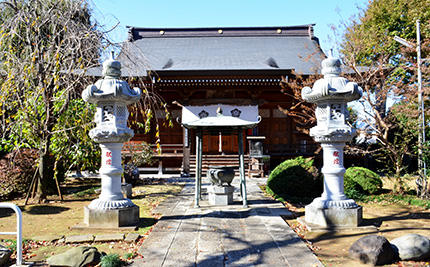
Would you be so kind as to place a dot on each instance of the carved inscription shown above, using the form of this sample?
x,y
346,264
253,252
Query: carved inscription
x,y
109,158
336,160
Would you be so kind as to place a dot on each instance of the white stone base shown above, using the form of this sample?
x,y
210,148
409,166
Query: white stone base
x,y
113,218
220,195
328,217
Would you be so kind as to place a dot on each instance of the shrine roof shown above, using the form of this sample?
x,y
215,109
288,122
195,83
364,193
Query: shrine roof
x,y
168,50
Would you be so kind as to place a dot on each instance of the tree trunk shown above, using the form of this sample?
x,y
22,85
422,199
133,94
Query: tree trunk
x,y
398,168
381,100
45,179
427,190
41,189
398,187
424,188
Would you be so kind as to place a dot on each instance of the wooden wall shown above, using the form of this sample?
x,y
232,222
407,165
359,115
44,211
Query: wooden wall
x,y
279,130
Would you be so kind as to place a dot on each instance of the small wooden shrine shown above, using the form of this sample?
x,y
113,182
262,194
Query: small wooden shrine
x,y
222,119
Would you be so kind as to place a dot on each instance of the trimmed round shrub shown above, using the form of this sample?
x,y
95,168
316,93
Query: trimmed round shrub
x,y
295,178
353,190
361,180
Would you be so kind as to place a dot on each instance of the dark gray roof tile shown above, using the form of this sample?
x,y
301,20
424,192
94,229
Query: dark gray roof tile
x,y
235,49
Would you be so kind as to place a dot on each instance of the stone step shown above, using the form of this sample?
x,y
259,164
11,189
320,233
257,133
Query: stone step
x,y
218,160
109,237
79,239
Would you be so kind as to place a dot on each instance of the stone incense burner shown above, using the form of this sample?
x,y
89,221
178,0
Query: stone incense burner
x,y
219,175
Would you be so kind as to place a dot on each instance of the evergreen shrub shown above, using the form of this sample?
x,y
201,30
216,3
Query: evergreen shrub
x,y
295,178
353,190
361,180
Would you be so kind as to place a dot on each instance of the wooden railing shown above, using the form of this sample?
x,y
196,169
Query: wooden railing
x,y
292,149
165,151
176,151
168,150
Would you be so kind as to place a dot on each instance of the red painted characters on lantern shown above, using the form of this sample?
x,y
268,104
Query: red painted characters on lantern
x,y
109,156
336,160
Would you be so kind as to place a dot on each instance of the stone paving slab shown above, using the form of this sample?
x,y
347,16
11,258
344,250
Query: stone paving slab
x,y
184,248
109,237
79,239
224,235
131,237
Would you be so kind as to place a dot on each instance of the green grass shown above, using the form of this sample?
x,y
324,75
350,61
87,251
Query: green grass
x,y
387,198
111,260
11,243
129,256
397,198
86,192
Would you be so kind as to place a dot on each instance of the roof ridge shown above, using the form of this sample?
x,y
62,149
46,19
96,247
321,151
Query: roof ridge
x,y
136,33
226,27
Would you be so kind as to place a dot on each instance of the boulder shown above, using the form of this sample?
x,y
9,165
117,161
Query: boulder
x,y
412,247
4,255
372,249
76,257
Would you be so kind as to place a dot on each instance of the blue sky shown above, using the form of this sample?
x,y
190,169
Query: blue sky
x,y
225,13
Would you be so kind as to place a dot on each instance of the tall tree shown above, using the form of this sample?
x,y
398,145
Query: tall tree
x,y
302,112
42,44
389,68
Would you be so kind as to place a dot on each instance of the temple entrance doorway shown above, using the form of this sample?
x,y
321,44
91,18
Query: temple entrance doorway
x,y
219,144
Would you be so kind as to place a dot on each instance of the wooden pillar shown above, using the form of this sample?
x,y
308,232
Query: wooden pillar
x,y
198,168
220,142
242,169
200,164
160,166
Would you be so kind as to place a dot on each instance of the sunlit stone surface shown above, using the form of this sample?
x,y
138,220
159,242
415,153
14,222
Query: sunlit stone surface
x,y
331,95
111,95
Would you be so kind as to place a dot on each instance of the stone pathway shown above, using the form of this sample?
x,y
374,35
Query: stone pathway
x,y
224,236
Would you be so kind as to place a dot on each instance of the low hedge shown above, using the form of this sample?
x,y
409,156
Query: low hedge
x,y
295,178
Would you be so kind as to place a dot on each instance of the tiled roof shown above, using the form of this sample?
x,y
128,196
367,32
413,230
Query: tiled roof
x,y
221,49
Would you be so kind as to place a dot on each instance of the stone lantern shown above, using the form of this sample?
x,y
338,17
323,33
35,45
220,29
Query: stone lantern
x,y
111,95
331,95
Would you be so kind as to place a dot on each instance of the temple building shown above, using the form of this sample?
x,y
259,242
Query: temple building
x,y
231,66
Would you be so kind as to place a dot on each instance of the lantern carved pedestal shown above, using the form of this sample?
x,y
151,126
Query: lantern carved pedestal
x,y
111,95
331,95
